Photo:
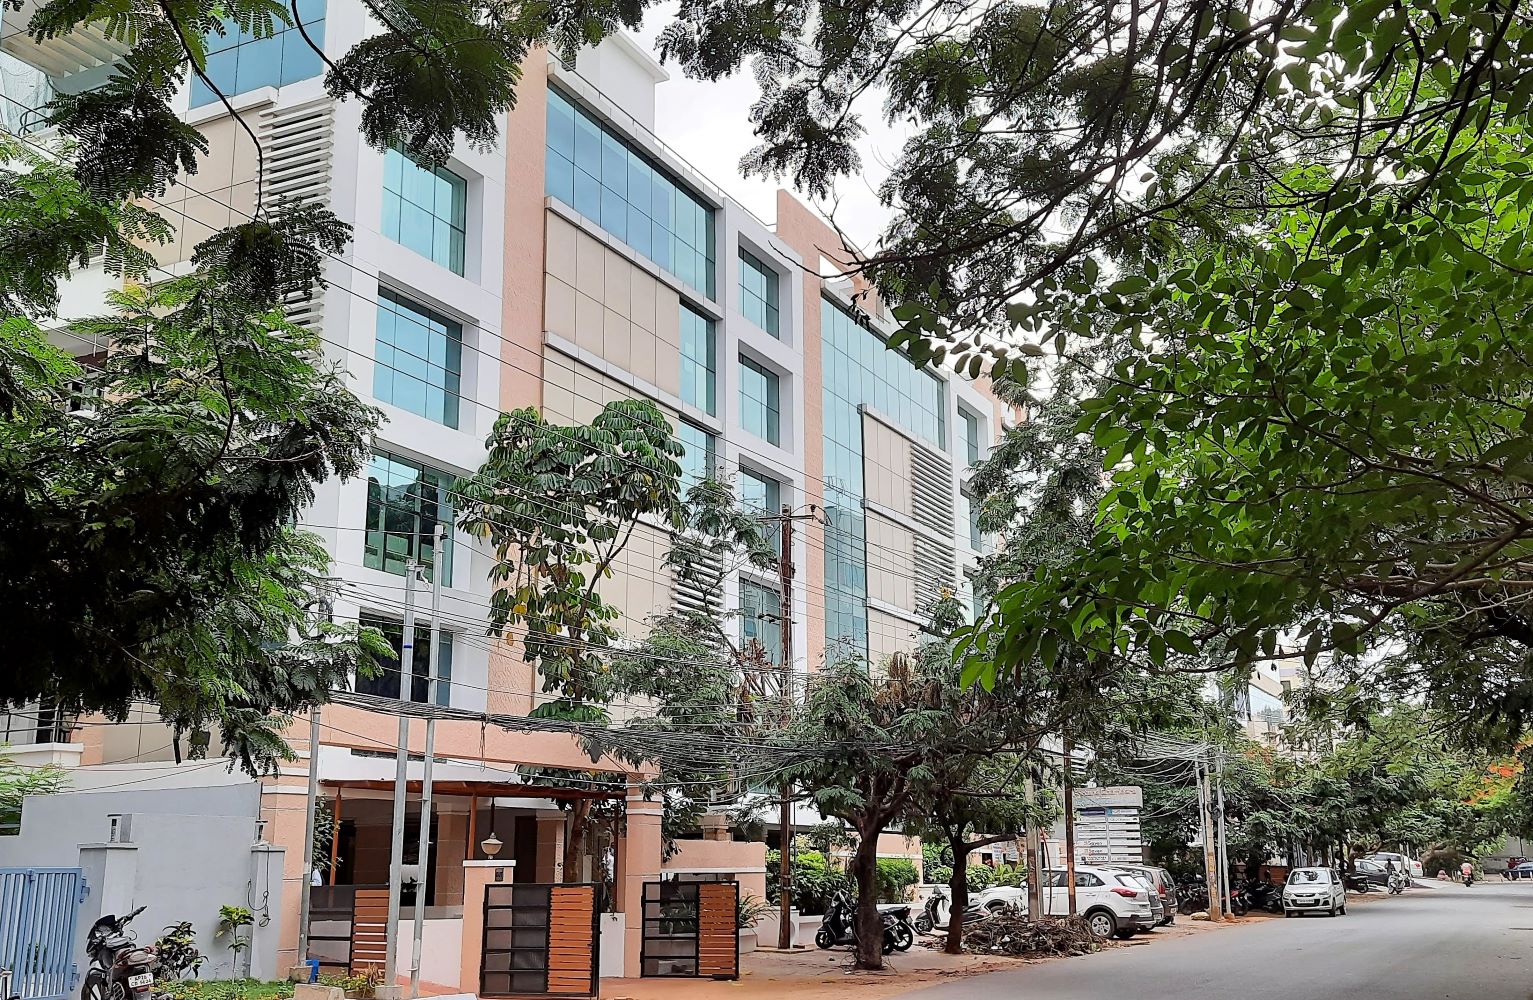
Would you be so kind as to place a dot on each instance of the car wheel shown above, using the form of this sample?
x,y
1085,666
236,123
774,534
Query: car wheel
x,y
1102,923
1126,933
1289,913
1344,909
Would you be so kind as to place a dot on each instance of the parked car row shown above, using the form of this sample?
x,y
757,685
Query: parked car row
x,y
1116,900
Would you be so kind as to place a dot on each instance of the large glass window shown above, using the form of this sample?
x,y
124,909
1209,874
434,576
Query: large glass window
x,y
760,403
861,370
699,374
697,459
600,175
763,494
760,610
238,62
758,292
386,683
405,503
419,361
424,209
971,435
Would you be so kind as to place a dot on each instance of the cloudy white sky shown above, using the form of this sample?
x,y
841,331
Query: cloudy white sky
x,y
709,125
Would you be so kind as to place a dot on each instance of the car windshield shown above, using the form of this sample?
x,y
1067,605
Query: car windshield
x,y
1307,876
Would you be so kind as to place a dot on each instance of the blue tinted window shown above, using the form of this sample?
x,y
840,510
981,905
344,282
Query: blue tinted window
x,y
760,411
699,367
760,610
597,173
418,364
405,503
386,683
425,209
238,62
758,292
971,435
861,370
697,461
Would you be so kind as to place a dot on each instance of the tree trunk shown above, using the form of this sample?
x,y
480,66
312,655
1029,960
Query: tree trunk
x,y
870,929
958,888
574,843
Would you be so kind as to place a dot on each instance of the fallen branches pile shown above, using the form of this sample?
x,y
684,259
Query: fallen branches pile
x,y
1014,934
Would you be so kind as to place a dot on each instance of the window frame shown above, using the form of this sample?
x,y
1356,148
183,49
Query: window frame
x,y
456,220
452,337
766,304
770,407
417,517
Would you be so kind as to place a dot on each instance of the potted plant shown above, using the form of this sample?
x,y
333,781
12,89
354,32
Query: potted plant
x,y
750,909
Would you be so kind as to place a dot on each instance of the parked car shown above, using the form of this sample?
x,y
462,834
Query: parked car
x,y
1001,897
1313,890
1374,872
1163,884
1403,863
1114,903
1524,870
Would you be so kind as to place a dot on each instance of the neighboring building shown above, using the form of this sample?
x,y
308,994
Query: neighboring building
x,y
578,262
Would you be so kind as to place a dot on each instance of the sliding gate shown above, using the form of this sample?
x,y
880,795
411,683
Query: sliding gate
x,y
691,930
39,914
348,927
540,940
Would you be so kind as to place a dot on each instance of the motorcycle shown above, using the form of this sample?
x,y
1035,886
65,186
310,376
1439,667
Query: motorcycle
x,y
1357,882
1397,883
120,968
837,926
896,919
1237,902
1265,896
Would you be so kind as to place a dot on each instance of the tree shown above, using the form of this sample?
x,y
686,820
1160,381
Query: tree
x,y
148,490
1316,435
1042,134
17,781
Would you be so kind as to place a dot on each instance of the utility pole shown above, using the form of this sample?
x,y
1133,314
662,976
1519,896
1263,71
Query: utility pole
x,y
785,807
1210,863
306,888
1069,805
423,850
311,807
401,777
1224,858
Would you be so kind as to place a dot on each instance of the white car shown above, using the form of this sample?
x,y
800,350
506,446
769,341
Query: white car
x,y
1402,863
1314,890
1001,897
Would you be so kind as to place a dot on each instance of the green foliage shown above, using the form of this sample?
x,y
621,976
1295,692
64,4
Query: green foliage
x,y
1334,451
894,877
559,505
750,909
225,989
232,917
17,782
815,880
176,948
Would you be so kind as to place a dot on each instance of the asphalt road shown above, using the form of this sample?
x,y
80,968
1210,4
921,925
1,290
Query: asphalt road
x,y
1445,942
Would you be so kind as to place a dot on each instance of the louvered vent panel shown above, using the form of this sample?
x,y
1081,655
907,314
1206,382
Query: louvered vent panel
x,y
935,569
698,590
297,144
931,484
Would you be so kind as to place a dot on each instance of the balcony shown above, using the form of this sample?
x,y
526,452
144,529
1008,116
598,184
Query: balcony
x,y
74,62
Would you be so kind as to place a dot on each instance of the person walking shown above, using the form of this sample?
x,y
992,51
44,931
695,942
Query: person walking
x,y
1467,870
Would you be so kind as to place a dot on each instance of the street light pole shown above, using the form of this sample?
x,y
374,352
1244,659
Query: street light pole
x,y
785,807
423,850
401,777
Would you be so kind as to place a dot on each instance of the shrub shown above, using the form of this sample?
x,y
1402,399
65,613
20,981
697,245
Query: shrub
x,y
814,881
894,878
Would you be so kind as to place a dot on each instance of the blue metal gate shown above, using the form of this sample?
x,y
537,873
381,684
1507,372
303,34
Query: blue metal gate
x,y
39,908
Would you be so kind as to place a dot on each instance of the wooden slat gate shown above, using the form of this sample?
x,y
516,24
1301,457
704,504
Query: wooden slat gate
x,y
540,940
690,930
39,911
347,927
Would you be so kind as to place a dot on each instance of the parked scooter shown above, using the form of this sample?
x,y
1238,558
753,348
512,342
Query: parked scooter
x,y
1397,883
837,925
896,917
1265,896
120,968
1356,882
934,914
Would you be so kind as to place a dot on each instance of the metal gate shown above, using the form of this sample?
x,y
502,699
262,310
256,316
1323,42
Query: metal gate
x,y
348,926
540,940
39,911
691,930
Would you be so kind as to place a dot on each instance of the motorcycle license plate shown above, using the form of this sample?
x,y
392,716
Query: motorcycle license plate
x,y
141,981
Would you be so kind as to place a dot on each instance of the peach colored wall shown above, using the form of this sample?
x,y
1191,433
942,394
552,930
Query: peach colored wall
x,y
724,856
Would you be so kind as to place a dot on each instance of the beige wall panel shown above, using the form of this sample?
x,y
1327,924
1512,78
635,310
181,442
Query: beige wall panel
x,y
619,277
616,342
558,306
589,322
887,635
590,274
559,259
886,466
891,572
225,179
643,293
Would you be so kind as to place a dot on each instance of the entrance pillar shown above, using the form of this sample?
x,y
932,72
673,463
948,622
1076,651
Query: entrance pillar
x,y
638,861
477,875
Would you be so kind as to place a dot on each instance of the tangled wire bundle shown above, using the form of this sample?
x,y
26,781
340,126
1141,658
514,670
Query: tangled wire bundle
x,y
1014,934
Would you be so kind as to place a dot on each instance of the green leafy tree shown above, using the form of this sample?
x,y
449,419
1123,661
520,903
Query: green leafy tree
x,y
1320,450
149,490
17,782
